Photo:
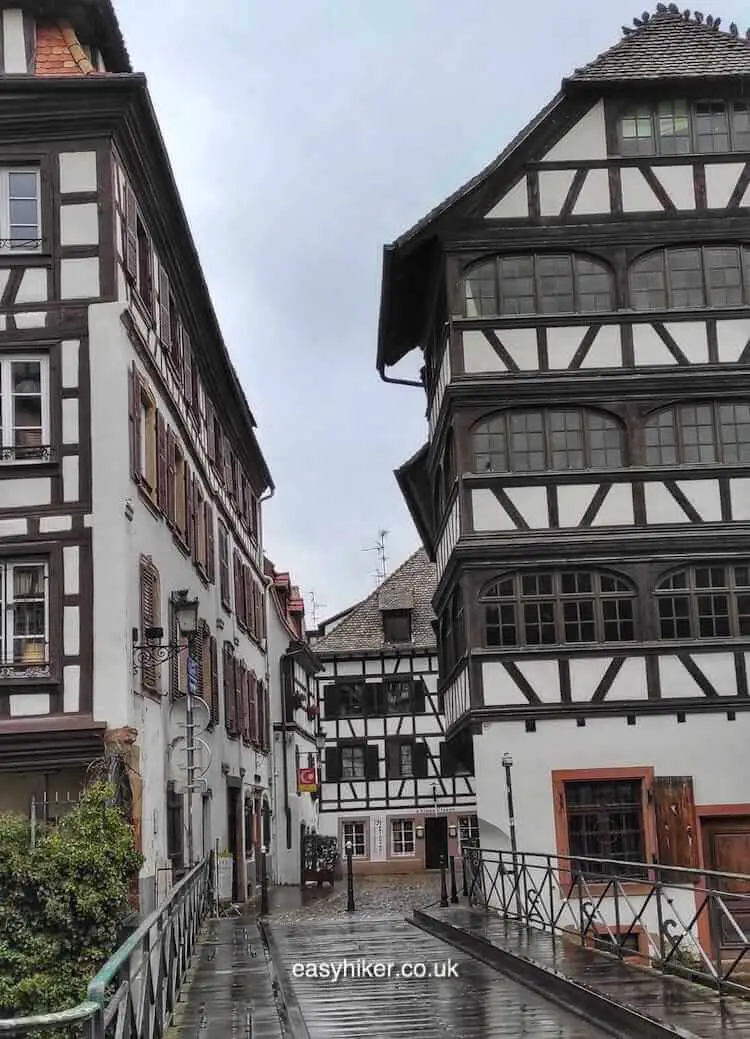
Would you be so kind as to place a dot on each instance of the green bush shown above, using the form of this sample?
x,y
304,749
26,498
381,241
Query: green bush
x,y
62,902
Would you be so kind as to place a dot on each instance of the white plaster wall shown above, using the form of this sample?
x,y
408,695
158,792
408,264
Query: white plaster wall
x,y
14,43
585,141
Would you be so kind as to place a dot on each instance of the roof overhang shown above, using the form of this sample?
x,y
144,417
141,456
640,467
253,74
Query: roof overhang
x,y
413,480
50,743
94,21
302,652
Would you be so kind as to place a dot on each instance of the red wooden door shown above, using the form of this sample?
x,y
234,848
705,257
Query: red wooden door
x,y
727,846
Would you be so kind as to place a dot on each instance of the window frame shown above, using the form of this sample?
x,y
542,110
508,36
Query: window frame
x,y
678,427
8,449
558,599
731,590
467,824
547,435
6,248
350,825
468,302
666,273
397,616
350,749
30,669
649,111
405,851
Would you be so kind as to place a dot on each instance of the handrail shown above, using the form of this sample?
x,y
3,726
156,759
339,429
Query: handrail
x,y
678,919
194,889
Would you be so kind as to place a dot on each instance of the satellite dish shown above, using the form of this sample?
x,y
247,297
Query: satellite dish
x,y
201,715
178,759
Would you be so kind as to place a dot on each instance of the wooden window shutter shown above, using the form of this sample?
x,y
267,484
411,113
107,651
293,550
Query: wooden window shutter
x,y
210,431
210,543
189,512
162,468
134,403
253,698
674,808
267,702
187,368
333,764
261,714
420,759
204,672
171,476
150,618
214,701
261,613
248,586
165,315
241,694
236,697
239,592
372,764
131,233
227,672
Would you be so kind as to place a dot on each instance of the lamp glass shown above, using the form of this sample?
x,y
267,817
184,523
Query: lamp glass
x,y
320,739
186,616
507,760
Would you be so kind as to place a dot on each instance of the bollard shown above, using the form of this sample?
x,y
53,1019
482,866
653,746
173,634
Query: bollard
x,y
463,868
454,891
349,878
263,883
443,885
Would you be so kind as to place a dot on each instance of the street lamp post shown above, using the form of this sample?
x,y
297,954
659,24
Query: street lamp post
x,y
507,764
349,847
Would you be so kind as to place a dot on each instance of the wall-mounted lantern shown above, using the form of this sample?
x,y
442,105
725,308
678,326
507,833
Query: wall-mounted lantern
x,y
453,831
419,830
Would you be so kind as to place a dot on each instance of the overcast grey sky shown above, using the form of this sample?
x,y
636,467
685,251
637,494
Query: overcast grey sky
x,y
306,134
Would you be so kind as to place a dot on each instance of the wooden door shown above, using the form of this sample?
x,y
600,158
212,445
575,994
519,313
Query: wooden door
x,y
435,841
727,850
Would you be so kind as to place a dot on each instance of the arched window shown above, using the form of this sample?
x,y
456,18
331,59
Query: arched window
x,y
704,432
705,602
548,609
534,441
696,276
560,284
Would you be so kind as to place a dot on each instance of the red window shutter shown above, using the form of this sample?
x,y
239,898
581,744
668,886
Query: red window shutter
x,y
214,701
171,476
165,315
134,402
131,234
162,469
210,543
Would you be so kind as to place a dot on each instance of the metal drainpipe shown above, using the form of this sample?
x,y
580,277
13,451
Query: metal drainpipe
x,y
266,587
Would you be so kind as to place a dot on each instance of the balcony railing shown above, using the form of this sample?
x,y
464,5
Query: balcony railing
x,y
689,922
136,991
26,453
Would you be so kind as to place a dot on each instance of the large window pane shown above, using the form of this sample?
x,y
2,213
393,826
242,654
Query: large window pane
x,y
673,127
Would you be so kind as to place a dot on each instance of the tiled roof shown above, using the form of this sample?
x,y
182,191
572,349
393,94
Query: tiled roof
x,y
671,44
362,630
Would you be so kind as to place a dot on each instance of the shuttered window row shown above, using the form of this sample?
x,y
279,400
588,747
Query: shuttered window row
x,y
249,603
152,290
246,702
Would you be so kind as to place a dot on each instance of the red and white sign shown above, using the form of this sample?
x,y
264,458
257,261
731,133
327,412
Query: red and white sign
x,y
307,780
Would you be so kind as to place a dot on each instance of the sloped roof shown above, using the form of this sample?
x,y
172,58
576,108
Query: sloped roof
x,y
671,44
362,630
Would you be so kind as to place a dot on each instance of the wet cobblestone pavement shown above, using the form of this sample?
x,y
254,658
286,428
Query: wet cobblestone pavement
x,y
374,899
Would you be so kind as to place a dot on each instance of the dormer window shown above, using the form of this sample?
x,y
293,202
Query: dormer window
x,y
679,128
397,625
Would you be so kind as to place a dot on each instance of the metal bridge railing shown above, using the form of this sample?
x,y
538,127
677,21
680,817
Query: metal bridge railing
x,y
689,922
136,991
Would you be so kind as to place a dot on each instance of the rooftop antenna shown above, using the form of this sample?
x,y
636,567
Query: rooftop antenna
x,y
315,608
382,570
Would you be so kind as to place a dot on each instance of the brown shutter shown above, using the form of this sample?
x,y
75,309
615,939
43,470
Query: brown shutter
x,y
171,476
162,469
239,597
210,543
165,326
249,589
150,615
674,807
210,437
253,707
244,705
266,733
261,614
131,234
227,677
236,697
134,401
219,443
190,512
187,368
214,701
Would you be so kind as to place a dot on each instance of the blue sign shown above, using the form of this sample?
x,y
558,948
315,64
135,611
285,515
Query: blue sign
x,y
192,676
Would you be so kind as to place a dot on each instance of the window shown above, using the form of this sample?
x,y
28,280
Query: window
x,y
353,761
705,602
568,607
453,632
511,285
24,641
175,825
678,128
706,432
698,276
180,493
535,441
397,625
399,695
145,265
355,833
402,836
468,831
24,409
605,821
20,213
224,584
405,758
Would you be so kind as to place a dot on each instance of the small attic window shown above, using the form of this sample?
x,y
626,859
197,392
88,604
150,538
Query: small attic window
x,y
397,625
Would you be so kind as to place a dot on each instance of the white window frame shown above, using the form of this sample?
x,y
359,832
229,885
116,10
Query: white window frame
x,y
6,400
348,834
401,824
467,823
8,668
5,172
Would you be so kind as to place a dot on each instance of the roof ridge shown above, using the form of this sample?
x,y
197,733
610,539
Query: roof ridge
x,y
673,11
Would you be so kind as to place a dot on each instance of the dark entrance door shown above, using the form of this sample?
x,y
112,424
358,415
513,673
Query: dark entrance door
x,y
727,850
233,843
435,841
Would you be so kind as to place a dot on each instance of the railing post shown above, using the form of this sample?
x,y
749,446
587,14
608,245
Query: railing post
x,y
463,870
349,878
551,894
454,891
443,885
263,883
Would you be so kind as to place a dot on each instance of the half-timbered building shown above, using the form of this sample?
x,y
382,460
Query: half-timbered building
x,y
130,475
390,784
294,715
582,308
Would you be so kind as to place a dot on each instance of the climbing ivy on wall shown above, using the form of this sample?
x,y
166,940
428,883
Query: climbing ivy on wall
x,y
62,902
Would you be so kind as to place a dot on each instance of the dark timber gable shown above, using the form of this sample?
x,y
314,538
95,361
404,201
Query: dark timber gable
x,y
594,282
